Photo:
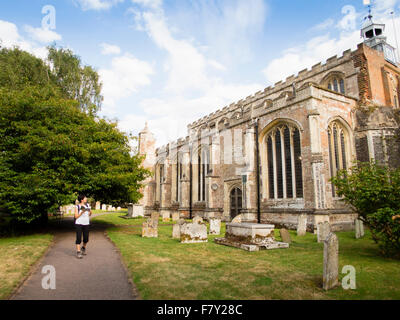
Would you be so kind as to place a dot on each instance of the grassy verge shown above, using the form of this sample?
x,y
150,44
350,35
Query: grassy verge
x,y
116,219
164,268
17,255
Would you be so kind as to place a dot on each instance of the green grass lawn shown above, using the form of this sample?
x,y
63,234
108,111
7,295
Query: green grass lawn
x,y
17,255
163,268
116,219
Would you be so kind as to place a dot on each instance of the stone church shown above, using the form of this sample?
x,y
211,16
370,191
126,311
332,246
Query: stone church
x,y
269,157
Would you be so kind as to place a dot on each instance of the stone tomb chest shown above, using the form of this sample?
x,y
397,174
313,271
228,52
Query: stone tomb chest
x,y
251,237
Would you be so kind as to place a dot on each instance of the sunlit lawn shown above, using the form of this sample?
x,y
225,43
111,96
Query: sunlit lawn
x,y
163,268
17,255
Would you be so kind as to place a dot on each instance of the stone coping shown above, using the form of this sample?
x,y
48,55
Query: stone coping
x,y
251,225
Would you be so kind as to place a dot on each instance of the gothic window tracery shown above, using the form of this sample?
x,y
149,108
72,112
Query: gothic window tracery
x,y
338,149
283,163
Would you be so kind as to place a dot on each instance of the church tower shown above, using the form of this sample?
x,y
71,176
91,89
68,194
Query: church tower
x,y
147,147
374,37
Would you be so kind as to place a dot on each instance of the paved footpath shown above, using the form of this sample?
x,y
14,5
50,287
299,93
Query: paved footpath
x,y
100,275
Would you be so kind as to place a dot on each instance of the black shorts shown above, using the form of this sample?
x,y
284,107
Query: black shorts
x,y
81,229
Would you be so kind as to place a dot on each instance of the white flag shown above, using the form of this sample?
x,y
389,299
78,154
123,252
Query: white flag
x,y
367,2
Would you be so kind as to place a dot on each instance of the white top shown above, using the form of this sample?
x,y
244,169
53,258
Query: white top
x,y
84,218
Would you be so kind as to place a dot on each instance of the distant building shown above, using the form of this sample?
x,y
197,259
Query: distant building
x,y
285,142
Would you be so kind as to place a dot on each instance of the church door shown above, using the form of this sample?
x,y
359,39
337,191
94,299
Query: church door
x,y
236,202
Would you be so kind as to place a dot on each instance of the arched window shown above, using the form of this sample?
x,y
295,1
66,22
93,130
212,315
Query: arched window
x,y
336,84
283,161
203,170
338,149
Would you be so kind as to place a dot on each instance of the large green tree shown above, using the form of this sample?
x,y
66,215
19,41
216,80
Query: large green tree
x,y
52,149
63,69
373,191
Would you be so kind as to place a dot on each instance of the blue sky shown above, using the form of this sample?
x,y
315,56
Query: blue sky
x,y
171,62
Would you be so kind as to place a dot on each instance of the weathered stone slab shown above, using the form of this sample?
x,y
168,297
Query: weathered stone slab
x,y
302,225
285,235
197,219
318,218
166,216
130,210
98,205
109,208
215,226
251,237
251,233
323,231
331,262
176,231
359,228
175,216
150,227
193,233
104,207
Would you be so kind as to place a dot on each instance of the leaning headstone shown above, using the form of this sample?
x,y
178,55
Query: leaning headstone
x,y
98,205
197,219
103,207
193,233
302,225
359,226
331,262
150,227
215,226
175,216
285,235
323,230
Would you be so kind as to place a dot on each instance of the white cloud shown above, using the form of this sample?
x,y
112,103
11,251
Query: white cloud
x,y
109,49
10,37
42,35
125,76
192,90
324,25
149,3
97,4
319,48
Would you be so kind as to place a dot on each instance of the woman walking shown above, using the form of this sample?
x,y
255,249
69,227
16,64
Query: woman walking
x,y
82,222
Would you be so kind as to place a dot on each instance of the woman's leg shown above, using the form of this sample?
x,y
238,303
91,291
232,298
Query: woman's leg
x,y
85,230
78,241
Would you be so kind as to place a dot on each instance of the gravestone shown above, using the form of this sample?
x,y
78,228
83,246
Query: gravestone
x,y
166,217
285,235
130,210
109,208
323,230
302,225
331,262
359,226
193,233
175,216
103,207
119,209
98,205
197,219
215,226
150,227
176,229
